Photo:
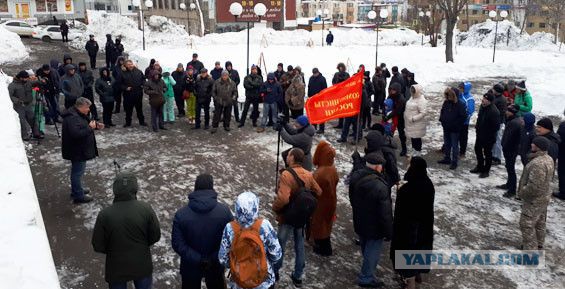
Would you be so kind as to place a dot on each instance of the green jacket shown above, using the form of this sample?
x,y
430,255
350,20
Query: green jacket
x,y
169,83
524,100
124,232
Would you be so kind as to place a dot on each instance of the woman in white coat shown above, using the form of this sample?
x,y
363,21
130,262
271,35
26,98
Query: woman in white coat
x,y
415,118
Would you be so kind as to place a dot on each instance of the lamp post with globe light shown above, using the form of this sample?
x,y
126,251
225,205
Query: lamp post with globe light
x,y
236,10
493,14
424,16
323,14
383,14
188,8
148,4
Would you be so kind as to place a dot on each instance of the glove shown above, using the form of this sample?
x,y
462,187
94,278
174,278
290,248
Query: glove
x,y
355,155
278,126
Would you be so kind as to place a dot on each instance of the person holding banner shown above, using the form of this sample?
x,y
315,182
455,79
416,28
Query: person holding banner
x,y
340,76
316,84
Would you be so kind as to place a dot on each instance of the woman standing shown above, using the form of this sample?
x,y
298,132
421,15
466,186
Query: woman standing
x,y
294,96
413,224
188,95
323,218
415,118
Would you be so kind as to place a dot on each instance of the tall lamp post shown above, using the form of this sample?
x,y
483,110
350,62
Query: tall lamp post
x,y
493,14
424,16
383,14
188,8
148,4
323,14
236,10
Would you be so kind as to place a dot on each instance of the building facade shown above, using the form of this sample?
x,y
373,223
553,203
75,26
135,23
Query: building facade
x,y
38,11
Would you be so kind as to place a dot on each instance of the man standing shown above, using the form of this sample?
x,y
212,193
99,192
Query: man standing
x,y
234,76
272,94
561,163
203,91
466,98
197,233
379,88
511,139
252,84
64,31
125,232
110,49
502,105
92,49
180,78
317,83
544,128
329,38
71,86
23,103
300,135
224,92
369,195
217,71
488,123
88,92
291,181
131,83
196,64
340,76
452,117
534,190
397,78
49,88
79,145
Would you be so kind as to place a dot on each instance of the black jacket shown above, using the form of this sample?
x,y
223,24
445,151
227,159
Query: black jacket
x,y
180,79
502,105
78,140
377,142
488,123
561,133
134,79
340,76
252,84
197,65
453,116
197,231
92,47
397,78
216,73
104,87
330,38
203,89
513,134
47,82
369,195
316,84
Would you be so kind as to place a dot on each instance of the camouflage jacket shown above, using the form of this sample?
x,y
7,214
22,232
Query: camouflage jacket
x,y
535,182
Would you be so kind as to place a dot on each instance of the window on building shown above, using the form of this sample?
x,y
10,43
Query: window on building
x,y
542,25
474,12
349,5
166,4
530,24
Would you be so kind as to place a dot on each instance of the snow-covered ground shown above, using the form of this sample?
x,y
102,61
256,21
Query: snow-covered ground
x,y
12,50
25,257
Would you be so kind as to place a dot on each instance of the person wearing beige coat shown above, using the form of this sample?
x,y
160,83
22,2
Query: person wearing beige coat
x,y
415,118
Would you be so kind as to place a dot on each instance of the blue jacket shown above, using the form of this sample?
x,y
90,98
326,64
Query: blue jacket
x,y
272,92
197,231
468,100
316,84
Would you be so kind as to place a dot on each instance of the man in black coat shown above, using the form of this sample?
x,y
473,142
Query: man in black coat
x,y
79,145
64,31
329,38
216,73
196,64
234,76
502,105
488,123
452,117
395,93
340,76
179,75
378,142
203,91
92,49
110,49
369,195
317,83
88,92
561,163
397,78
131,83
197,234
513,134
379,88
252,84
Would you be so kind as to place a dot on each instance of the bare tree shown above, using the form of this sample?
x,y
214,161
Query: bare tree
x,y
451,10
556,9
432,24
531,7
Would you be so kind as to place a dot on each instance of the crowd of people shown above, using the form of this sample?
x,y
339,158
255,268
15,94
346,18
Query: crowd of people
x,y
207,236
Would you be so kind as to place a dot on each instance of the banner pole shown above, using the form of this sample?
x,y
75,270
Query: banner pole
x,y
358,133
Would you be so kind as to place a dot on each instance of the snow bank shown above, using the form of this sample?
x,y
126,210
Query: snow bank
x,y
158,31
12,47
482,35
26,260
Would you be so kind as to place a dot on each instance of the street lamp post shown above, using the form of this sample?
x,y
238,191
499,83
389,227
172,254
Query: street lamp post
x,y
424,16
188,8
493,14
148,4
236,10
383,14
323,14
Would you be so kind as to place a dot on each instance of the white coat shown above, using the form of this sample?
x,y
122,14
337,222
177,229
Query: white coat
x,y
415,114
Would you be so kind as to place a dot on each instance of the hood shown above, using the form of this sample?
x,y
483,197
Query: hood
x,y
529,121
467,87
125,187
102,70
203,201
246,209
271,76
118,41
375,141
67,56
109,36
154,72
418,88
54,63
417,170
68,67
121,58
396,86
324,155
228,63
553,137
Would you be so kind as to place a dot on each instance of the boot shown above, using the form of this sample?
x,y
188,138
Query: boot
x,y
502,187
260,130
213,130
444,162
475,170
483,175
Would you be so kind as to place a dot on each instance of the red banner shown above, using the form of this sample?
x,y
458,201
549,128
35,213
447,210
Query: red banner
x,y
337,101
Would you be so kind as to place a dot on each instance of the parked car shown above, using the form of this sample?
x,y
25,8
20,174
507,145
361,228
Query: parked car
x,y
19,27
52,32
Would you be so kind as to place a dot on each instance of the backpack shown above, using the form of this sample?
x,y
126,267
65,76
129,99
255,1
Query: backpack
x,y
301,205
248,261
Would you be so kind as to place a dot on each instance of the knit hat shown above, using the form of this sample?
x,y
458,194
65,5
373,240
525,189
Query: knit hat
x,y
302,120
395,86
45,67
541,142
315,70
180,65
545,123
253,66
217,63
203,70
374,158
225,72
190,67
91,35
514,108
529,120
378,127
125,183
22,74
521,85
194,55
204,182
499,88
489,96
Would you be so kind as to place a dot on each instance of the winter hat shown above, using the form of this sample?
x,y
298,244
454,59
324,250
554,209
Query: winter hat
x,y
461,85
302,120
194,55
395,86
340,65
378,127
367,74
499,88
22,74
217,63
541,142
456,91
315,70
545,123
203,70
389,103
30,72
180,65
417,170
152,62
228,63
298,68
289,68
489,96
253,66
514,108
529,120
91,35
82,64
45,67
225,72
395,69
204,182
125,183
375,158
404,71
521,85
166,74
190,67
383,65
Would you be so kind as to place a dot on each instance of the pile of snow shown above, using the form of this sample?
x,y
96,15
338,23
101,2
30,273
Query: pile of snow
x,y
482,35
158,31
26,257
12,47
